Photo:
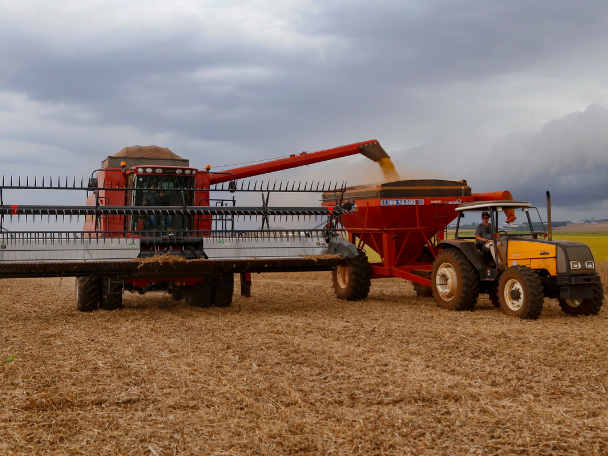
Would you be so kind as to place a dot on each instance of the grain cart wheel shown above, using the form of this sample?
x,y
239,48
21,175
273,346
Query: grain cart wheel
x,y
353,281
521,293
88,293
201,293
454,280
111,294
590,306
422,290
224,289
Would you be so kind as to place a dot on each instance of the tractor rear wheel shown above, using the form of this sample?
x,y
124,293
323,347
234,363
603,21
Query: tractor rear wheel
x,y
521,293
589,306
111,294
201,293
454,281
88,293
224,289
353,281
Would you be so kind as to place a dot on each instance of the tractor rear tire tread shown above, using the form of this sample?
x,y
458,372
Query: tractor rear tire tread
x,y
467,276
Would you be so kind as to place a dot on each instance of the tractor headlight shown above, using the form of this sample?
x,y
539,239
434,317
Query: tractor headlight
x,y
140,170
148,170
187,171
179,171
590,265
575,265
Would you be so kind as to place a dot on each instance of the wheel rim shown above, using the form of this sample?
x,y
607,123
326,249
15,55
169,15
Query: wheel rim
x,y
574,302
446,281
342,275
514,294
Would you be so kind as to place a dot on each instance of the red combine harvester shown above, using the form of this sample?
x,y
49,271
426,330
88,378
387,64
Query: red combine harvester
x,y
146,201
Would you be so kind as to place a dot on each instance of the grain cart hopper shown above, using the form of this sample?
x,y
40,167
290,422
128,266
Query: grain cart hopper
x,y
154,222
405,222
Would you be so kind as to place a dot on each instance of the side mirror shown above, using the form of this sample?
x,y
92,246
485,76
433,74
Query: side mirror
x,y
232,186
93,184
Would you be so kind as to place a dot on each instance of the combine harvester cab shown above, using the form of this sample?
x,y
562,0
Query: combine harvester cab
x,y
152,222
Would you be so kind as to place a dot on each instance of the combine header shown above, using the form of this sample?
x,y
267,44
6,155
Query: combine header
x,y
152,222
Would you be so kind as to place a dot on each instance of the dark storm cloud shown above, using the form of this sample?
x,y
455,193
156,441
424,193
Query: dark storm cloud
x,y
567,156
245,82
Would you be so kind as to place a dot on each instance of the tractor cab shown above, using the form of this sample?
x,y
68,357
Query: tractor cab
x,y
515,221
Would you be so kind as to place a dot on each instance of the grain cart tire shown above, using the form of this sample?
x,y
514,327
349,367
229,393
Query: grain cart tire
x,y
454,281
111,294
590,306
521,293
88,293
200,294
353,281
422,290
224,289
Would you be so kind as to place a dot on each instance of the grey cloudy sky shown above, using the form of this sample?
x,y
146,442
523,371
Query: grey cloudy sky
x,y
506,94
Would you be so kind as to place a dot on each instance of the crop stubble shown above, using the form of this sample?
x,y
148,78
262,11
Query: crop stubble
x,y
293,369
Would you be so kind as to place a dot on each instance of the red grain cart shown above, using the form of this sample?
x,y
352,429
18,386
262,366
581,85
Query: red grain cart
x,y
402,222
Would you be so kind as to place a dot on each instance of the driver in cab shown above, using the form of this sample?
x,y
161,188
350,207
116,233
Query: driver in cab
x,y
483,234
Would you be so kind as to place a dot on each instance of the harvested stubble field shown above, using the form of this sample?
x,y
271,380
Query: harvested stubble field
x,y
294,370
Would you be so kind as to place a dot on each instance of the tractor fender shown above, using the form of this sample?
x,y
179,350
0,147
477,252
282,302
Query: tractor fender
x,y
467,247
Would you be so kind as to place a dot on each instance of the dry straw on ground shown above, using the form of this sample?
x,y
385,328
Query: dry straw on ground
x,y
294,370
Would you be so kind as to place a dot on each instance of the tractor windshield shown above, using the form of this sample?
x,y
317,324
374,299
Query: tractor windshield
x,y
158,191
528,223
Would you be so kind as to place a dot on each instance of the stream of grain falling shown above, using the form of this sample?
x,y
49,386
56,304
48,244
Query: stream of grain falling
x,y
388,169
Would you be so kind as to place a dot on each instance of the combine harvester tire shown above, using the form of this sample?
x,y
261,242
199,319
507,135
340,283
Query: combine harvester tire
x,y
521,294
590,306
454,280
200,294
88,293
353,281
111,295
224,289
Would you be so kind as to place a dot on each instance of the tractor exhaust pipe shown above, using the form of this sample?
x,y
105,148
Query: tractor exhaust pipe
x,y
550,238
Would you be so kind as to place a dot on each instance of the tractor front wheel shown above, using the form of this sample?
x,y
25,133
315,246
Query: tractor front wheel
x,y
88,293
589,306
454,280
353,281
521,293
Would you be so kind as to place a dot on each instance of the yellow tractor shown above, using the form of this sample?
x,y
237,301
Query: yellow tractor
x,y
518,266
